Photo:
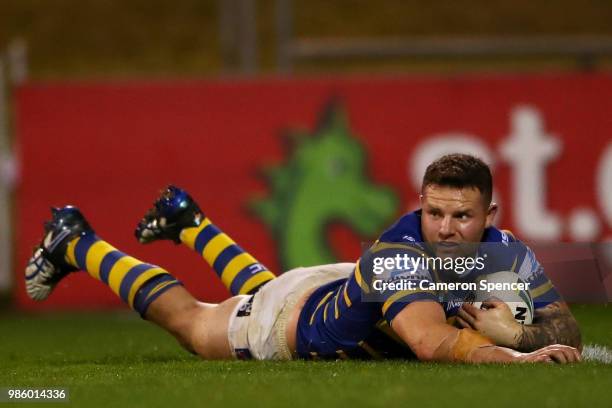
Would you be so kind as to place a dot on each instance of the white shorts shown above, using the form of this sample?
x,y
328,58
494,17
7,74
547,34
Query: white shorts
x,y
258,324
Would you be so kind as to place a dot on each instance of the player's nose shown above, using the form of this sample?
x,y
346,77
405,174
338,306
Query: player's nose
x,y
446,229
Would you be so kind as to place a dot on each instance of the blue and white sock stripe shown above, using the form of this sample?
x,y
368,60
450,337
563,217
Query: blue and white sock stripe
x,y
244,275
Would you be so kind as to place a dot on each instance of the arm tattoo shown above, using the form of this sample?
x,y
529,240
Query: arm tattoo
x,y
553,324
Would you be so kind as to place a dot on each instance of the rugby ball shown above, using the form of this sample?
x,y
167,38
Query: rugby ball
x,y
509,288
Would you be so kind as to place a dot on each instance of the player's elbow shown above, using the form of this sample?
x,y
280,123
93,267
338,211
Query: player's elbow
x,y
423,350
426,355
422,344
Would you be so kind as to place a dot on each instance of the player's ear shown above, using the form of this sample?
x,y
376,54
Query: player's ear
x,y
491,212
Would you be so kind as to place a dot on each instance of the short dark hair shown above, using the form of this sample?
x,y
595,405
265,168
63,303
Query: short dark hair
x,y
460,171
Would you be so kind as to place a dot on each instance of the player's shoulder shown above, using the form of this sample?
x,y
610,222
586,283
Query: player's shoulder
x,y
505,241
406,229
505,251
503,236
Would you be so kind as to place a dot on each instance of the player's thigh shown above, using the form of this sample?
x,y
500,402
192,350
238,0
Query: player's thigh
x,y
209,337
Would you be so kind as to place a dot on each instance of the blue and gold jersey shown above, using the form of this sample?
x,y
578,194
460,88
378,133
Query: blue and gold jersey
x,y
335,323
343,319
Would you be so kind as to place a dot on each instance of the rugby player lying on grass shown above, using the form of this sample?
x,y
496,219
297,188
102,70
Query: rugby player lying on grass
x,y
318,312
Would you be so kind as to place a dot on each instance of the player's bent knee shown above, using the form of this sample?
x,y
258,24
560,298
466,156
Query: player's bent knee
x,y
200,328
182,323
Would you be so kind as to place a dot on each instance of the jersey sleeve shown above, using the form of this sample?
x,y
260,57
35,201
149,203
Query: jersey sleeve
x,y
394,275
541,288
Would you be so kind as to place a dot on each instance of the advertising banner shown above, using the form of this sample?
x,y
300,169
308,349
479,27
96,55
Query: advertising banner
x,y
302,171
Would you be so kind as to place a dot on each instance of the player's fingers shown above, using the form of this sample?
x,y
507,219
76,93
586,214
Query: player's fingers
x,y
463,323
558,356
578,355
492,303
467,317
469,309
543,358
571,354
547,359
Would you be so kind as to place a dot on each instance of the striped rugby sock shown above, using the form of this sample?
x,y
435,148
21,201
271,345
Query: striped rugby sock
x,y
135,282
240,272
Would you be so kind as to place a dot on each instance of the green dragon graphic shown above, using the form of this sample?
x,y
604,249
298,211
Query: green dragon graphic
x,y
323,181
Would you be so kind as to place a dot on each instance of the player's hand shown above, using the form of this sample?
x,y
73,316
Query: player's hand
x,y
556,353
494,320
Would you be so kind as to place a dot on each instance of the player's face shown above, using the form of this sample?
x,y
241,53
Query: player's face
x,y
453,216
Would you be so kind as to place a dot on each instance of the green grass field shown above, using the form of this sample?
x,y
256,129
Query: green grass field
x,y
115,359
